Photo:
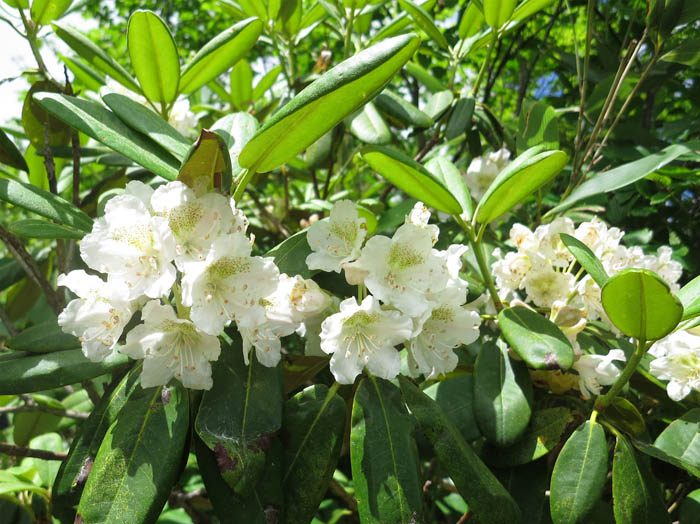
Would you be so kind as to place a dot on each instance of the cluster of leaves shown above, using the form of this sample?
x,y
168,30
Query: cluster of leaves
x,y
287,444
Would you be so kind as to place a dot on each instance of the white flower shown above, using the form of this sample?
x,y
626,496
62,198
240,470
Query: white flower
x,y
678,361
228,285
544,285
509,271
596,371
98,317
181,118
419,216
134,248
550,246
336,240
171,347
364,336
483,170
455,291
431,352
599,239
524,240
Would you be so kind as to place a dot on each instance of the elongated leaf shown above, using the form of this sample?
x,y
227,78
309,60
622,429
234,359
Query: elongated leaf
x,y
29,424
314,423
252,398
689,295
52,370
455,396
75,469
680,438
236,129
84,74
425,22
640,304
401,111
369,126
43,338
207,164
424,77
453,181
542,436
241,85
636,493
324,103
411,177
33,228
530,7
586,258
521,178
36,121
486,497
139,459
498,12
536,339
622,414
579,474
502,395
219,54
687,53
10,272
95,56
43,11
290,255
266,82
101,124
461,118
384,456
537,126
660,454
471,22
690,508
624,175
9,154
528,484
438,103
153,56
139,117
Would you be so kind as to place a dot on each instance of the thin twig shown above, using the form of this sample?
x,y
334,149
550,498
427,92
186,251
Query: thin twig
x,y
7,322
92,392
31,405
50,166
16,451
183,499
339,491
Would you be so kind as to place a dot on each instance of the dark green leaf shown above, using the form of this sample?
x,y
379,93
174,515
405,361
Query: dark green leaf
x,y
486,497
528,485
455,396
535,338
579,474
314,424
43,338
10,272
9,154
461,117
369,126
139,459
659,454
101,124
586,258
327,101
502,395
207,160
452,179
36,121
622,414
690,508
680,438
688,53
290,255
384,456
640,304
33,228
401,111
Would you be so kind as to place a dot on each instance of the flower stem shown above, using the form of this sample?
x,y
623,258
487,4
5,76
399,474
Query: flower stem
x,y
604,401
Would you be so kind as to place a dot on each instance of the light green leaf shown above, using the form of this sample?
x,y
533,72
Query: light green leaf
x,y
220,53
537,126
660,454
43,11
424,77
369,126
153,56
447,173
101,124
425,22
498,12
640,304
689,296
266,82
586,258
400,111
236,129
411,177
84,73
241,85
207,160
324,103
33,228
579,474
455,396
680,438
529,8
438,103
688,53
472,21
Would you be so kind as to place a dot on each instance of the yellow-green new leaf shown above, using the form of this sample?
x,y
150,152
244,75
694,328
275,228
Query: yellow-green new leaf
x,y
153,56
241,85
425,22
498,12
471,22
323,104
43,11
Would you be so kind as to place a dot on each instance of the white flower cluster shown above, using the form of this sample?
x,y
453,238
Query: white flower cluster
x,y
678,361
483,170
417,296
185,258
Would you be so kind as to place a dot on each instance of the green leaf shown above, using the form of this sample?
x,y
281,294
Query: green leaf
x,y
461,118
438,103
84,74
241,85
689,295
425,22
411,177
660,454
680,438
498,12
44,204
36,121
314,424
369,126
637,494
528,484
502,395
10,272
537,126
424,77
139,459
236,129
542,436
104,126
455,396
625,174
52,370
385,467
535,338
690,508
43,338
27,425
74,470
586,258
521,178
153,56
219,54
43,11
471,22
9,154
95,56
687,53
33,228
486,497
252,398
290,255
640,304
139,117
266,82
579,474
530,7
447,173
401,111
327,101
208,160
622,414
